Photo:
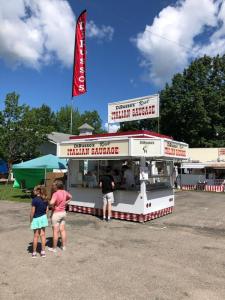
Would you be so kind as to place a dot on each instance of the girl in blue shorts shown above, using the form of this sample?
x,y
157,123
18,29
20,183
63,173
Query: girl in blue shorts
x,y
38,218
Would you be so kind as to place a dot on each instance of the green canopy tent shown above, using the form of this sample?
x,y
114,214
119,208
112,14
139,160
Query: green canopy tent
x,y
30,173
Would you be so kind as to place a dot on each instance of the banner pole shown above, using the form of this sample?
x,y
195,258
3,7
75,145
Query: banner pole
x,y
158,112
71,117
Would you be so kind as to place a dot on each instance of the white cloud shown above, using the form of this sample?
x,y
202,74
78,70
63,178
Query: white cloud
x,y
33,32
38,32
175,37
101,33
112,127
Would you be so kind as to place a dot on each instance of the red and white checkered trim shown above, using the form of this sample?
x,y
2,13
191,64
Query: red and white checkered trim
x,y
206,188
214,188
122,215
188,187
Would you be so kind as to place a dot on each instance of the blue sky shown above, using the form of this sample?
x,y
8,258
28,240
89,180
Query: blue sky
x,y
133,47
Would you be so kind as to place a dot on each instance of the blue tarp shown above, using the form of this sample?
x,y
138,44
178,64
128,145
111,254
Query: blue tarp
x,y
3,167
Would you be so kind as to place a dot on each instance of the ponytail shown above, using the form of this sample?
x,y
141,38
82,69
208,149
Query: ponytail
x,y
42,191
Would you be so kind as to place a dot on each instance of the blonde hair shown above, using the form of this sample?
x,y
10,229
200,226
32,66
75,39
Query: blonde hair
x,y
42,191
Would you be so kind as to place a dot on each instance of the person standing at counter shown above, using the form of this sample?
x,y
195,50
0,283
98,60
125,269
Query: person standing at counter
x,y
107,185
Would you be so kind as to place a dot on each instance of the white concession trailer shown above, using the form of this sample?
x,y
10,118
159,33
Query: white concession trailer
x,y
149,157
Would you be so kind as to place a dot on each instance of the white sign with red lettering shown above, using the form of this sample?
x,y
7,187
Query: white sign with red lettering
x,y
124,147
95,149
175,149
221,153
134,109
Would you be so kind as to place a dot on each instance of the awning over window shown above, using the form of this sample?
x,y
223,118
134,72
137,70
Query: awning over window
x,y
193,166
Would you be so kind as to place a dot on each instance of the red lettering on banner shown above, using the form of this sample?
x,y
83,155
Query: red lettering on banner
x,y
221,151
169,151
143,111
180,152
78,151
121,114
95,151
134,112
153,109
175,152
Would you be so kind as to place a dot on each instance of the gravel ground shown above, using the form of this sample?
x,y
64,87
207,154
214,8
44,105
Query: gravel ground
x,y
179,256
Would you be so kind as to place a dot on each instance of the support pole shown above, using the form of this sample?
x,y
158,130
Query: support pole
x,y
143,182
45,178
71,117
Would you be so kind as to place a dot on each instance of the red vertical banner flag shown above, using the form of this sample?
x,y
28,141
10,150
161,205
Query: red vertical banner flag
x,y
79,64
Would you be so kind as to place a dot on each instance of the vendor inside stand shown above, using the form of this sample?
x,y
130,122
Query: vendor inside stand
x,y
159,175
128,177
90,179
125,173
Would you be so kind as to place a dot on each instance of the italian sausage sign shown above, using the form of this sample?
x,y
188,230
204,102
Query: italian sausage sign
x,y
134,109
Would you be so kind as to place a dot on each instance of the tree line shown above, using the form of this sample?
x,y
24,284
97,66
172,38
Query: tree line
x,y
23,129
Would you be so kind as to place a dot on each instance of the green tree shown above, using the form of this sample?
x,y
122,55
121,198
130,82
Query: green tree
x,y
93,119
146,124
21,130
36,124
193,106
44,117
10,139
1,134
63,120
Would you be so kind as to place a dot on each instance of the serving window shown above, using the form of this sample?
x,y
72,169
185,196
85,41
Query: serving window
x,y
160,175
87,173
127,174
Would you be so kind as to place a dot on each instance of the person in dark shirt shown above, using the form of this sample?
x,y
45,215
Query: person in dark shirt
x,y
38,218
107,184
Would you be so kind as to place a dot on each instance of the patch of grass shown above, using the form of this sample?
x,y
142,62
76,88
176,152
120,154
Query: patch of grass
x,y
7,192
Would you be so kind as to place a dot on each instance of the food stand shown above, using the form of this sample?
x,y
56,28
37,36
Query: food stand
x,y
150,157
